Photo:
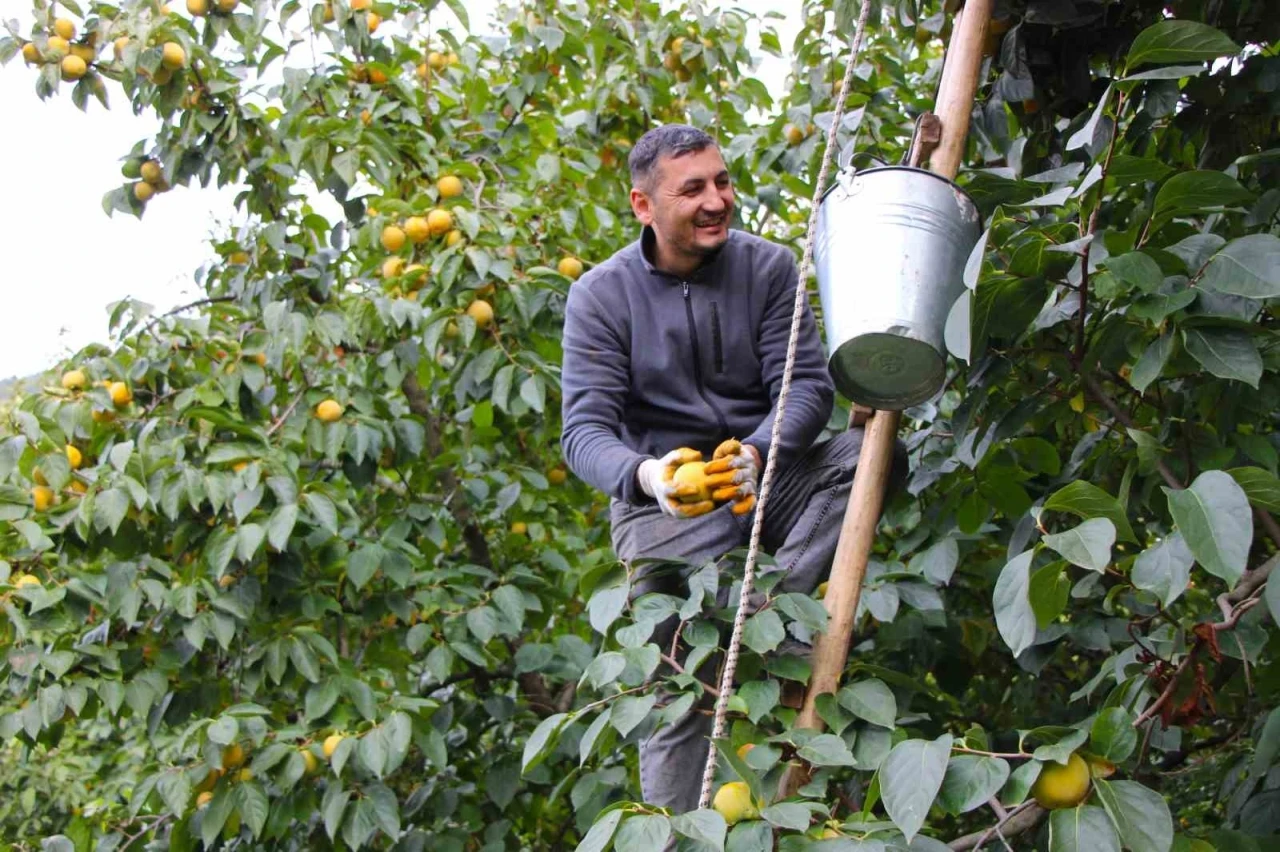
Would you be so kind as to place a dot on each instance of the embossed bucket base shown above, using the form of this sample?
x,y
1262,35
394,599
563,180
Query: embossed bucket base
x,y
890,253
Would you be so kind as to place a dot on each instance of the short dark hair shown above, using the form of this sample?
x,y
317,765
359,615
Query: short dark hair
x,y
669,140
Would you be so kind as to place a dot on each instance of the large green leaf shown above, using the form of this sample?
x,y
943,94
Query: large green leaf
x,y
601,833
1225,354
1087,500
970,781
870,700
1015,618
642,833
1087,545
1261,486
910,779
1248,266
704,826
1215,521
1164,569
1140,815
1178,41
1192,192
1084,828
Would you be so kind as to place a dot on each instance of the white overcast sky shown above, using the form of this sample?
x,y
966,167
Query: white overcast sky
x,y
62,260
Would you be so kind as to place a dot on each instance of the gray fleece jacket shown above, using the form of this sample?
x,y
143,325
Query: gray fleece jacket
x,y
653,362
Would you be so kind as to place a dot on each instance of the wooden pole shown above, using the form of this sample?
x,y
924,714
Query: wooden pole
x,y
956,93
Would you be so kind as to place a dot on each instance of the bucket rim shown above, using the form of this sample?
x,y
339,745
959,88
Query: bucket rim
x,y
900,168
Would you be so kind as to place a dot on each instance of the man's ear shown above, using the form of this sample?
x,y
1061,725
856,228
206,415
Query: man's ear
x,y
641,206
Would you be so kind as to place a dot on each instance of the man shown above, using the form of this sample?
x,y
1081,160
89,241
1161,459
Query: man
x,y
678,343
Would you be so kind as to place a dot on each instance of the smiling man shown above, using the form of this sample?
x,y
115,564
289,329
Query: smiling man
x,y
675,347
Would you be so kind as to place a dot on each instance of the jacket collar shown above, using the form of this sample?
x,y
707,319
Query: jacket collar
x,y
648,247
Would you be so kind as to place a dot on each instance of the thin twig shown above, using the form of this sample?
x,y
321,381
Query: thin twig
x,y
285,415
197,303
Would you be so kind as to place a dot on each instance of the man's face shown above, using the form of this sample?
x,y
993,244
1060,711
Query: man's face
x,y
688,204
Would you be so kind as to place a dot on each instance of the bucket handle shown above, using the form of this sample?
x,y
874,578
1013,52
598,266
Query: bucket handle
x,y
848,156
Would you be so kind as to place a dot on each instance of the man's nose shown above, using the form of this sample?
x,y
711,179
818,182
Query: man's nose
x,y
715,200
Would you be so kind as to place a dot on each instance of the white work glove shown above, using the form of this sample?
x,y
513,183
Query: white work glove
x,y
655,478
732,474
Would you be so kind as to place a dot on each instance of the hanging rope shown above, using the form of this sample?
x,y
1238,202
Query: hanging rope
x,y
802,293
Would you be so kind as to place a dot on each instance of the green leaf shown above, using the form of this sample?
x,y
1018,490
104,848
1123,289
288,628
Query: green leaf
x,y
1087,545
792,815
1113,735
588,742
597,839
542,740
1136,269
642,833
1178,41
761,696
322,508
109,509
937,563
1192,192
871,700
1049,591
1057,742
1164,569
320,699
704,825
970,781
1214,518
1151,364
752,836
251,802
606,605
1127,169
826,750
630,710
1248,266
1086,500
364,563
483,623
1015,618
280,527
1261,486
1020,782
1140,815
1225,354
763,632
910,779
1084,828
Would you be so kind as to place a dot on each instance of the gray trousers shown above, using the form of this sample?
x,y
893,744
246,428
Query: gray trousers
x,y
801,527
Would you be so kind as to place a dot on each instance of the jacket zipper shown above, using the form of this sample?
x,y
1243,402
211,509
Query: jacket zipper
x,y
717,349
697,363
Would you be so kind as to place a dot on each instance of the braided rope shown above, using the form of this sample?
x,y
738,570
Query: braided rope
x,y
802,292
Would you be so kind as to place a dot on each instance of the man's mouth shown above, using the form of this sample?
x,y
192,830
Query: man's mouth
x,y
711,223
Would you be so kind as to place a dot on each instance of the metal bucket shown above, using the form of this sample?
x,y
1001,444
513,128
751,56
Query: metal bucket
x,y
890,253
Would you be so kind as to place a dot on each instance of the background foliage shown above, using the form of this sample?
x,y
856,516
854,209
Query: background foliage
x,y
224,582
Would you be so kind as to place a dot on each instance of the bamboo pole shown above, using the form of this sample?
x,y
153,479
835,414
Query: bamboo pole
x,y
956,91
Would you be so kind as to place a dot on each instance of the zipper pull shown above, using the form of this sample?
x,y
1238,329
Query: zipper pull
x,y
686,289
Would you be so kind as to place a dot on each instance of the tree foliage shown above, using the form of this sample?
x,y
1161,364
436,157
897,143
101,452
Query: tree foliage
x,y
237,623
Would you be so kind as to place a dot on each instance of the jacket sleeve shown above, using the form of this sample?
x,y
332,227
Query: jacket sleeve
x,y
812,391
594,384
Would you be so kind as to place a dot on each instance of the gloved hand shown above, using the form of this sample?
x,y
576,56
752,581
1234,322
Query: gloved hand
x,y
732,474
655,478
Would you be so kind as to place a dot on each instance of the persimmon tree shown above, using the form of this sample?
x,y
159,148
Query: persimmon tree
x,y
298,566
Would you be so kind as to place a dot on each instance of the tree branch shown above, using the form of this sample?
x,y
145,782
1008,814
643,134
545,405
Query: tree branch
x,y
1022,818
1098,392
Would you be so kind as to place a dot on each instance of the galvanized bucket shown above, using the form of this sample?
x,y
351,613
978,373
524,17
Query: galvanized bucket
x,y
890,253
